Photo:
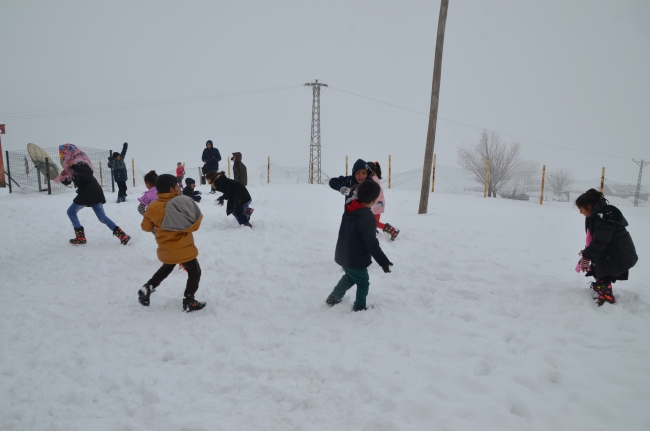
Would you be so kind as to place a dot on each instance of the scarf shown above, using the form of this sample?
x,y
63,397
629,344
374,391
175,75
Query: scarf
x,y
70,155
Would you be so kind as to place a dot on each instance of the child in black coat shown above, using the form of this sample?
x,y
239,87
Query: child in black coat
x,y
610,252
78,169
357,242
189,190
236,194
347,186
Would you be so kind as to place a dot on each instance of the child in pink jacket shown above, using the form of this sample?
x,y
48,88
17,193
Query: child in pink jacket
x,y
378,207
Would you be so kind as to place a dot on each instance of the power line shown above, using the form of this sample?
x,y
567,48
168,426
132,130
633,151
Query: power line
x,y
481,128
130,105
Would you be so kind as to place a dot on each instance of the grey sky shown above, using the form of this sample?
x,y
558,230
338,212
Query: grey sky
x,y
567,73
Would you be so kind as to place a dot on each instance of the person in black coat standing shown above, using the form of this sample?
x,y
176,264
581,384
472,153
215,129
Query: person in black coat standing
x,y
211,158
235,193
118,167
610,252
356,244
78,169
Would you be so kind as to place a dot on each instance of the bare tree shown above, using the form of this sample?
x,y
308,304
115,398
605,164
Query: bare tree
x,y
504,159
559,180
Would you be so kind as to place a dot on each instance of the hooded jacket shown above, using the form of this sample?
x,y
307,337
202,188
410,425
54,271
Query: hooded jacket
x,y
77,169
357,240
148,196
350,181
175,218
239,169
118,166
378,207
611,248
236,194
211,157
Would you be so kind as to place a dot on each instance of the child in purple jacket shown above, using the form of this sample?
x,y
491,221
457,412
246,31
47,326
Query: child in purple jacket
x,y
151,194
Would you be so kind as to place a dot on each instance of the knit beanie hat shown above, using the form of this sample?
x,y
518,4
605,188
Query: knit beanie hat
x,y
189,181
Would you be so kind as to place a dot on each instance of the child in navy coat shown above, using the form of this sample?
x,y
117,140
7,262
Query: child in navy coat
x,y
347,186
356,244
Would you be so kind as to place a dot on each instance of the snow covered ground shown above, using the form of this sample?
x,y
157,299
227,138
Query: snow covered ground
x,y
482,325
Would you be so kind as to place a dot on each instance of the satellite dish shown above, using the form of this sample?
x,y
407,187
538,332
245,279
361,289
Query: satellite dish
x,y
38,156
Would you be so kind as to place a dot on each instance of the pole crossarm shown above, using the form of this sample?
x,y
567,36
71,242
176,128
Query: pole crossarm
x,y
315,144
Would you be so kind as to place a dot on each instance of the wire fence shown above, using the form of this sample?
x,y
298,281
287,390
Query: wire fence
x,y
31,175
36,172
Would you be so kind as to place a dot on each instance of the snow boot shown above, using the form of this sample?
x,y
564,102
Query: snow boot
x,y
604,290
190,304
80,236
332,300
124,238
355,308
247,224
249,211
144,293
390,230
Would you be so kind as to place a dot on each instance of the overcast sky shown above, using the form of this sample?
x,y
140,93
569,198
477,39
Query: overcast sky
x,y
568,73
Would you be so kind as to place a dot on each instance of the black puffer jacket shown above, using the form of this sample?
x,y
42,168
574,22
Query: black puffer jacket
x,y
611,249
236,194
89,191
358,239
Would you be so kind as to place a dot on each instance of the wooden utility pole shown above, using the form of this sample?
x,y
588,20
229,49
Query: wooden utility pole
x,y
541,195
3,183
433,112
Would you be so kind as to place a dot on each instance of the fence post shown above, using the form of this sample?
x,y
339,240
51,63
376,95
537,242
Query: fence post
x,y
110,153
228,168
133,170
47,175
541,197
8,170
602,181
487,178
101,176
268,171
346,166
389,160
433,176
201,176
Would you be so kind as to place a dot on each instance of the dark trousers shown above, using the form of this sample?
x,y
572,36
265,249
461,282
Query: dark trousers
x,y
121,188
193,276
352,276
241,213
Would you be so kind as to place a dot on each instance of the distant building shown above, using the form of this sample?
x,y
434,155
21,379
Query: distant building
x,y
625,191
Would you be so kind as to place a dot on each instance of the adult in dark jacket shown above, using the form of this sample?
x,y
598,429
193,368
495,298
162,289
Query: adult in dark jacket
x,y
240,174
610,252
78,169
356,244
236,194
211,158
118,167
347,186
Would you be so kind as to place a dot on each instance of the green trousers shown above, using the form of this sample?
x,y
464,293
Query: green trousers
x,y
352,276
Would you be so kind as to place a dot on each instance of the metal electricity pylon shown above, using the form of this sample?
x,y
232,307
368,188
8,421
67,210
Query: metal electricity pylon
x,y
314,145
638,183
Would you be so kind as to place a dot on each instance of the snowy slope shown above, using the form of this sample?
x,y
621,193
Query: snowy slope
x,y
482,325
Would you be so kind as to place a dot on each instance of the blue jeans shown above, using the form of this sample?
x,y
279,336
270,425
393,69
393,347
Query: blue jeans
x,y
241,214
99,212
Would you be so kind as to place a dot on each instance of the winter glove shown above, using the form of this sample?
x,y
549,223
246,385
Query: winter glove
x,y
344,190
386,268
198,192
219,201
